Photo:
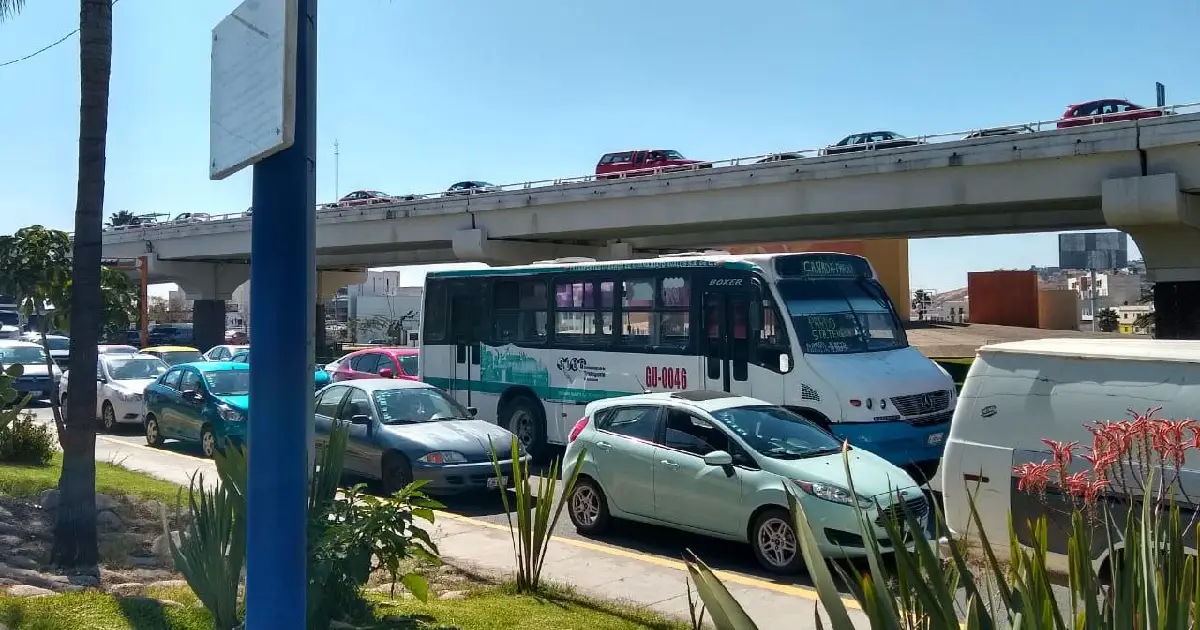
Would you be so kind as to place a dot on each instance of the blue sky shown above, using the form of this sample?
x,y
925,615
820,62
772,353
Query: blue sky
x,y
421,94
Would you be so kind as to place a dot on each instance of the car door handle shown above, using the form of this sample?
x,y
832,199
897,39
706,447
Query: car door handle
x,y
604,446
668,463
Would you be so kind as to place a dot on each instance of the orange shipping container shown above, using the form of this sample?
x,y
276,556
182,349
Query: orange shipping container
x,y
1004,298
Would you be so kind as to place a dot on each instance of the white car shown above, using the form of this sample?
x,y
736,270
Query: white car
x,y
59,345
223,352
36,379
121,380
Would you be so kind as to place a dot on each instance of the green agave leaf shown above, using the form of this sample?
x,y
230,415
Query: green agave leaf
x,y
822,579
724,610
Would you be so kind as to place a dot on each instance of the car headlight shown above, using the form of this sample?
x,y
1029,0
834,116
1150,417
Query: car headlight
x,y
229,414
438,458
129,396
832,493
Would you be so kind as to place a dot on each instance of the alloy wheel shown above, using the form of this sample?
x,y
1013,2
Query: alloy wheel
x,y
585,506
777,542
208,443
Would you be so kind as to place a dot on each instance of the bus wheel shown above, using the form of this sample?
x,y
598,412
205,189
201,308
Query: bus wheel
x,y
527,421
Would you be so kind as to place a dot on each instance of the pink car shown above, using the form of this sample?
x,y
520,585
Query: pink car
x,y
378,363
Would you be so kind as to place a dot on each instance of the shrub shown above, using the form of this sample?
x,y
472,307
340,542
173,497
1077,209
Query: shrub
x,y
25,441
1154,585
349,537
536,514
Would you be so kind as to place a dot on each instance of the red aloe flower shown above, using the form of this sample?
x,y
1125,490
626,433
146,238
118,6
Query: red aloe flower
x,y
1033,477
1076,483
1063,451
1093,489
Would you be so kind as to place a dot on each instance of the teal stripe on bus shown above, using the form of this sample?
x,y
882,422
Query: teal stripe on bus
x,y
547,394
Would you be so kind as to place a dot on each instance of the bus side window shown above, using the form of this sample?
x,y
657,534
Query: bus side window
x,y
434,320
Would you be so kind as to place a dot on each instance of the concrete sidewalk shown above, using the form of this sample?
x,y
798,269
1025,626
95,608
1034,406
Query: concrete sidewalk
x,y
593,569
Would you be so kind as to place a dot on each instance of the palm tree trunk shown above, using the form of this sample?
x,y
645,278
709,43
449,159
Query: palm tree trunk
x,y
75,543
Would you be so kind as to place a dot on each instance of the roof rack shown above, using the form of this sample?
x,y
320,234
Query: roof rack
x,y
701,395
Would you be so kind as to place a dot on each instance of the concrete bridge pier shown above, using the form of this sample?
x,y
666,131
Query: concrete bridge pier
x,y
209,286
328,283
1164,221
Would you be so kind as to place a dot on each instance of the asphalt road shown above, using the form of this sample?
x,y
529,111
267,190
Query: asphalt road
x,y
647,539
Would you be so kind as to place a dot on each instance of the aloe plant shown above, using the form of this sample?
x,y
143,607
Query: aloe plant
x,y
12,403
536,514
1152,582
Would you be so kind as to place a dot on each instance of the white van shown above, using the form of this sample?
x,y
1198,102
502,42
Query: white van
x,y
1017,394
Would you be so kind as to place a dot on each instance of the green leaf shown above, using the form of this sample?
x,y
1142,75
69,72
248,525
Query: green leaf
x,y
417,585
725,611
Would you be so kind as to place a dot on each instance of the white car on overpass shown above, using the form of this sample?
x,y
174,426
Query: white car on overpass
x,y
121,380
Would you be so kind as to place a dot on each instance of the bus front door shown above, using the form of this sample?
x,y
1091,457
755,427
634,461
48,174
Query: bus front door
x,y
726,342
466,315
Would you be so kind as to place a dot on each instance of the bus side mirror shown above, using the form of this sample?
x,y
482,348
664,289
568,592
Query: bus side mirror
x,y
785,364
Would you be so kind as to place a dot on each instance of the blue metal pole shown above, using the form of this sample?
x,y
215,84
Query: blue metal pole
x,y
282,292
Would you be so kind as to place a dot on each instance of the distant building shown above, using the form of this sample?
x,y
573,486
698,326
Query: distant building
x,y
1093,250
1127,318
1112,290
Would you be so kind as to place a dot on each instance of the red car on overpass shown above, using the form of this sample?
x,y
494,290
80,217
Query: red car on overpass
x,y
1105,110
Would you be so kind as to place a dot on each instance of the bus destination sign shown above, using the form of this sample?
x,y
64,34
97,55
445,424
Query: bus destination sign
x,y
822,266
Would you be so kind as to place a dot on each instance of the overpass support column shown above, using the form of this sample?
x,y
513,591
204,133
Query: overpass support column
x,y
208,285
1165,224
328,283
208,323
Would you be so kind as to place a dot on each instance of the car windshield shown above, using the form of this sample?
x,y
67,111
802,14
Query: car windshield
x,y
135,368
408,363
842,316
228,382
58,343
9,318
411,405
175,357
25,355
672,155
777,433
118,350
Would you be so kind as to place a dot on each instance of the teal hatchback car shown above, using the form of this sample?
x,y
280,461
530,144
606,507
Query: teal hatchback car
x,y
201,403
321,378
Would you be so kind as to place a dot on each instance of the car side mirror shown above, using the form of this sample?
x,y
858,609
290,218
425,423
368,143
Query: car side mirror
x,y
718,458
785,364
386,373
474,411
360,419
193,395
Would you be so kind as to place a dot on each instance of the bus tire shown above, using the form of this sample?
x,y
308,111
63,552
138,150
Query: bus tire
x,y
527,420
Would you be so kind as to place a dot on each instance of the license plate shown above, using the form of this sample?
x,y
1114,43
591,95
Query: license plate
x,y
496,482
936,438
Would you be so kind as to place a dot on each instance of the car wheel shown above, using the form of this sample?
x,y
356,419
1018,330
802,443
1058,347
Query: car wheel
x,y
395,474
62,407
527,421
588,508
153,434
208,441
773,538
108,417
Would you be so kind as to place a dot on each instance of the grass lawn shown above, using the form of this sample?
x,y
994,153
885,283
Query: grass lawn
x,y
88,610
110,479
485,609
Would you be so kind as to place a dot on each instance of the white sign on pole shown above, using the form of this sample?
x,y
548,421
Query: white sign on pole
x,y
252,111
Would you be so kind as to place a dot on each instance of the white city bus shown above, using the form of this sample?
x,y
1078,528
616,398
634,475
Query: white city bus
x,y
530,346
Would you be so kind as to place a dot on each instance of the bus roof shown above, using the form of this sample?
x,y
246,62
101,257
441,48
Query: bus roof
x,y
749,262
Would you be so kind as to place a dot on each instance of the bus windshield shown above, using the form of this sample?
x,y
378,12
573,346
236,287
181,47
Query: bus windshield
x,y
842,316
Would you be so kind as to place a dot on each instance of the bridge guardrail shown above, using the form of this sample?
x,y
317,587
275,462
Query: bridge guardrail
x,y
803,154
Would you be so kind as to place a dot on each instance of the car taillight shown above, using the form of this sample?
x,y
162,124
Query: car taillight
x,y
577,429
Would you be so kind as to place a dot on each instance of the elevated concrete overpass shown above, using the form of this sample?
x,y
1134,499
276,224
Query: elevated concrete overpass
x,y
1138,176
